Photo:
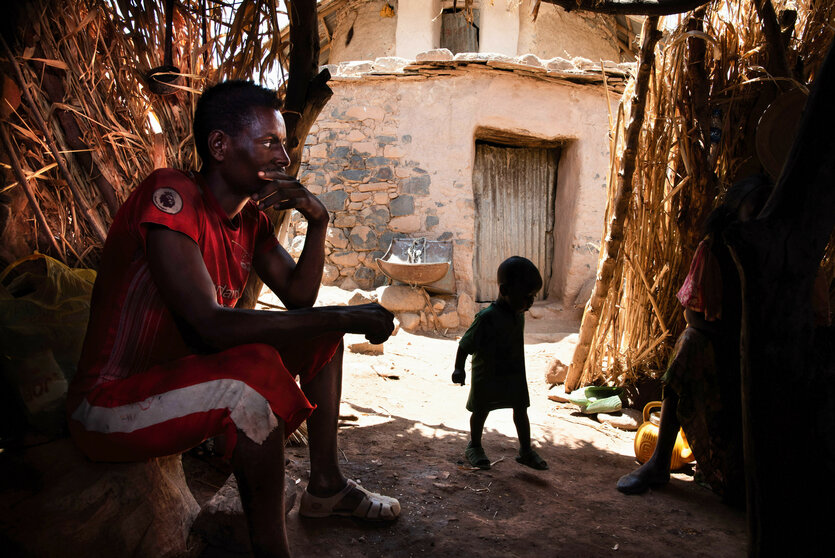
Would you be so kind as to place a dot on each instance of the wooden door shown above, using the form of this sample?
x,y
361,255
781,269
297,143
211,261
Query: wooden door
x,y
514,189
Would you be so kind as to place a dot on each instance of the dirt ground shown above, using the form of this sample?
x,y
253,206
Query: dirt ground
x,y
404,431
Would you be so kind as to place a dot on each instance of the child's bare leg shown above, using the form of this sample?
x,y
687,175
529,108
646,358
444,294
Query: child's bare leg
x,y
475,453
523,429
259,470
527,456
656,471
477,420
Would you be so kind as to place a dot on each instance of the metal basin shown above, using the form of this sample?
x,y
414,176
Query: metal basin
x,y
417,261
413,273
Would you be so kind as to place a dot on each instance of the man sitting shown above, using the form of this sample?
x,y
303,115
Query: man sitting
x,y
169,361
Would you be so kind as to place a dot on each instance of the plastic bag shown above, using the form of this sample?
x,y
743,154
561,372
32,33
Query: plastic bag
x,y
44,309
597,399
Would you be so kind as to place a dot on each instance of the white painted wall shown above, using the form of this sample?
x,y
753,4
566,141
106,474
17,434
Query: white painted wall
x,y
416,29
429,125
568,34
499,27
372,35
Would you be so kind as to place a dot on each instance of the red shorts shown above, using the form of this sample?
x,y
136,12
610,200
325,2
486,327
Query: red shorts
x,y
173,407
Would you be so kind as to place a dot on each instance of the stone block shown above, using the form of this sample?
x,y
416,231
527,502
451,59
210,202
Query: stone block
x,y
330,274
348,284
409,321
381,198
362,297
434,55
557,372
318,151
392,151
400,298
449,319
373,186
402,205
362,237
386,140
354,175
354,206
405,224
355,135
345,259
431,221
366,348
390,64
385,173
360,196
356,161
364,277
530,60
296,246
365,147
377,216
334,200
378,162
417,185
466,309
354,68
340,152
345,220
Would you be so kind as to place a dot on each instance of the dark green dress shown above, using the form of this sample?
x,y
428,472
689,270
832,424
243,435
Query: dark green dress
x,y
496,341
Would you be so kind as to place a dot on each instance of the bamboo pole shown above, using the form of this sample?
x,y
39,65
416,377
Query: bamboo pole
x,y
591,316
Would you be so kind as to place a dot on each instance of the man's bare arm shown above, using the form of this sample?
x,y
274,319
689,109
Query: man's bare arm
x,y
296,284
180,275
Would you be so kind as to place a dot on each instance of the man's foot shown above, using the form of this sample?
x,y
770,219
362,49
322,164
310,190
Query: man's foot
x,y
642,479
351,501
476,456
532,459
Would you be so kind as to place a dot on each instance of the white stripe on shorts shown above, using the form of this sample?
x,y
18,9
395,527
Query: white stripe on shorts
x,y
250,411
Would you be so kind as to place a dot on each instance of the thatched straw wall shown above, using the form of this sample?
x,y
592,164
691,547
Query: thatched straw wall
x,y
84,65
711,71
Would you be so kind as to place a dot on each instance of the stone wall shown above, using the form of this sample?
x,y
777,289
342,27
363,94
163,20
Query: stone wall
x,y
392,155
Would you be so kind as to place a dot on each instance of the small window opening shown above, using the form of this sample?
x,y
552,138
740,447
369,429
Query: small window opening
x,y
459,30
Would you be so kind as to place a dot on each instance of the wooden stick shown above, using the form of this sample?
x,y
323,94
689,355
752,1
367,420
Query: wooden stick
x,y
610,253
27,189
89,212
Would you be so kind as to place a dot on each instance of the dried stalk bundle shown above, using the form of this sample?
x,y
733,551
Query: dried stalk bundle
x,y
710,78
85,64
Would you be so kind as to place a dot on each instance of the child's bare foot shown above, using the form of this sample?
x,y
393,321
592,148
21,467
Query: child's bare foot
x,y
476,456
532,459
647,476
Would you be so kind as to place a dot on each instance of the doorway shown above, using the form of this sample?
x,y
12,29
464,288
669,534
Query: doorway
x,y
514,189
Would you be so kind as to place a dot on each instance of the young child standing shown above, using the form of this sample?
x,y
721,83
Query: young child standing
x,y
496,341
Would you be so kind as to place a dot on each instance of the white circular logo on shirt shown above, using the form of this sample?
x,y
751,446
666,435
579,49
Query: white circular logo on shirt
x,y
168,200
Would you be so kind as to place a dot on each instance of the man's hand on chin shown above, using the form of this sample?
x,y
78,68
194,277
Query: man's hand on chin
x,y
282,191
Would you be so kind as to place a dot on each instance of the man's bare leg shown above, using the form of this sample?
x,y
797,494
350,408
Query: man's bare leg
x,y
325,391
656,471
259,470
326,479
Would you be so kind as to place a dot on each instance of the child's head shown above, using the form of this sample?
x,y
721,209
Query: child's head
x,y
519,281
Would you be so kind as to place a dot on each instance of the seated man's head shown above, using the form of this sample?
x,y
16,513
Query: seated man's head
x,y
238,127
519,281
